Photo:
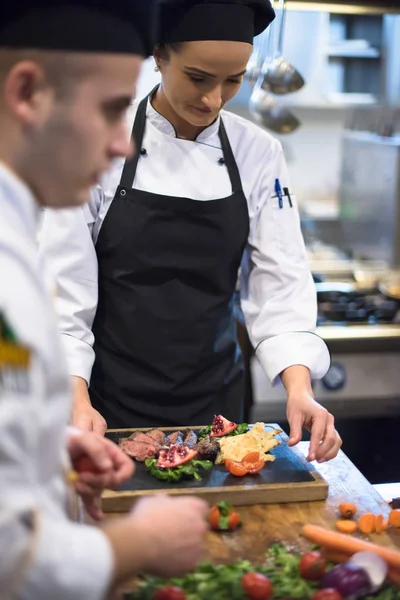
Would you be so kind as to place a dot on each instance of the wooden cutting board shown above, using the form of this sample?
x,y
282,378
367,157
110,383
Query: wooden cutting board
x,y
288,479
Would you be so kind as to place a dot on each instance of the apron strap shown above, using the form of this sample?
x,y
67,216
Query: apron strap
x,y
230,159
130,166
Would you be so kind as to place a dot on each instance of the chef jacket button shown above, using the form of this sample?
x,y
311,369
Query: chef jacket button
x,y
122,193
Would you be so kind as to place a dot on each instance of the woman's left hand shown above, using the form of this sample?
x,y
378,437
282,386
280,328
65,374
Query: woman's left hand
x,y
304,412
100,465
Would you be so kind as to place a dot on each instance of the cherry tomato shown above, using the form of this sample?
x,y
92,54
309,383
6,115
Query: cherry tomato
x,y
312,566
256,586
169,592
83,464
237,469
214,518
327,594
233,521
256,467
251,457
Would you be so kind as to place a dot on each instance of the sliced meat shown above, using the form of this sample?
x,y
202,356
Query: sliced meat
x,y
157,435
176,438
190,438
207,449
141,436
140,451
140,446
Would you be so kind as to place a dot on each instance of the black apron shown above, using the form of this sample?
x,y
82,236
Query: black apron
x,y
165,332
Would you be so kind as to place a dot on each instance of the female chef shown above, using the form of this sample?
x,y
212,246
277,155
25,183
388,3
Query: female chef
x,y
146,274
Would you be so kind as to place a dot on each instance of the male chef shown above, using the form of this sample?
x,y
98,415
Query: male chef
x,y
67,73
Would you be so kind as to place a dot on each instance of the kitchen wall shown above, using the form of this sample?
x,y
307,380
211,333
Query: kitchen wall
x,y
314,151
313,154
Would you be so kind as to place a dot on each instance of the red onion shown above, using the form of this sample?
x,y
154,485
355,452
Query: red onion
x,y
350,580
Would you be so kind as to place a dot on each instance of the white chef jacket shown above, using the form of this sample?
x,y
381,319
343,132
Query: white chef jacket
x,y
44,556
278,296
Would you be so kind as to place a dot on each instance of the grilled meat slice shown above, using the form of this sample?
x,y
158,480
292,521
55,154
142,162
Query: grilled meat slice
x,y
140,446
190,438
157,434
207,449
176,438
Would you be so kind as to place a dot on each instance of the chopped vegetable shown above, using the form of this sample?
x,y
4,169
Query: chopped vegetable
x,y
256,586
394,517
349,545
241,428
223,582
366,523
312,566
338,557
169,592
251,457
374,566
191,470
327,594
347,510
236,468
223,517
380,524
350,580
251,464
346,526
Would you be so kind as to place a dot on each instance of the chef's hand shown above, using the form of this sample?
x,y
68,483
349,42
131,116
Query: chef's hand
x,y
101,465
173,530
84,416
304,412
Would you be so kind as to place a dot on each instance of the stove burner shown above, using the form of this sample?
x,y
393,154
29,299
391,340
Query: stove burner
x,y
355,307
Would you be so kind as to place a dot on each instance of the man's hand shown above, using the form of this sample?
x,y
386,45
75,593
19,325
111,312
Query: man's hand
x,y
84,416
100,465
162,536
304,412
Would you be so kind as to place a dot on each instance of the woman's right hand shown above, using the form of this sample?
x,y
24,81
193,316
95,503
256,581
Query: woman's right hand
x,y
84,416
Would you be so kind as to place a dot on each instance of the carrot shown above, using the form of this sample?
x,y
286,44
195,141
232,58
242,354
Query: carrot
x,y
346,526
347,510
379,523
394,517
349,545
366,523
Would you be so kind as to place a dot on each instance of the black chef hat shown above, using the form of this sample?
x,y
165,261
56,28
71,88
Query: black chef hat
x,y
110,26
229,20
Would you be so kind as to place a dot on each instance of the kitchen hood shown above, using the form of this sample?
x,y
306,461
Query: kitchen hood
x,y
347,6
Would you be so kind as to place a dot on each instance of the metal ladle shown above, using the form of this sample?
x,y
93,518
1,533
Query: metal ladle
x,y
267,112
278,75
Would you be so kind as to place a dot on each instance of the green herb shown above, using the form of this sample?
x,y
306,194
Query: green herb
x,y
222,582
189,470
241,428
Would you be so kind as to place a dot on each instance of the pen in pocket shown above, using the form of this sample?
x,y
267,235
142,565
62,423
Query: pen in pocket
x,y
278,192
286,192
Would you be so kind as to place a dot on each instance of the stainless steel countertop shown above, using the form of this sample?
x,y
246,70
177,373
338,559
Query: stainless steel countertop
x,y
361,338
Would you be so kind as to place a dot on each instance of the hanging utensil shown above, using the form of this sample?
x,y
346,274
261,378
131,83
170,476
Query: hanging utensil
x,y
257,57
278,75
267,112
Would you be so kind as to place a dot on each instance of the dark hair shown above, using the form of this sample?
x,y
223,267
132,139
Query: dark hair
x,y
163,50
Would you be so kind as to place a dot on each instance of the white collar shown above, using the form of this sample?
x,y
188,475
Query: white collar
x,y
163,125
17,194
